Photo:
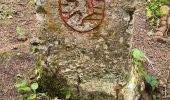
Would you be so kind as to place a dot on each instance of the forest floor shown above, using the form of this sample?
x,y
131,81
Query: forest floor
x,y
157,51
16,58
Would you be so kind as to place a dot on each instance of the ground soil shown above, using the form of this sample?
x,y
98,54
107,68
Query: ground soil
x,y
156,49
15,56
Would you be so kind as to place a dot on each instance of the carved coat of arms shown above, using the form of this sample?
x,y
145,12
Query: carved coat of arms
x,y
82,15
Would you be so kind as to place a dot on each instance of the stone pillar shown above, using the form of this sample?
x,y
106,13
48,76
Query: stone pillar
x,y
84,46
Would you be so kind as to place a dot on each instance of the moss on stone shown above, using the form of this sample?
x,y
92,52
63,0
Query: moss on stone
x,y
51,83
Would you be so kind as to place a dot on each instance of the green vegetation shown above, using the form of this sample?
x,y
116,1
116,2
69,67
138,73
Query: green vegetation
x,y
28,91
68,94
34,49
152,81
137,59
20,31
153,10
33,91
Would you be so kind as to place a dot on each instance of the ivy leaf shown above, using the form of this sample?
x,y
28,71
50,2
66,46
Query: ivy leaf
x,y
24,89
153,6
137,54
160,12
34,86
20,97
31,97
149,13
21,84
68,94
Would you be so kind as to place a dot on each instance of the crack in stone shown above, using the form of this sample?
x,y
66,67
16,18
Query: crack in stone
x,y
78,85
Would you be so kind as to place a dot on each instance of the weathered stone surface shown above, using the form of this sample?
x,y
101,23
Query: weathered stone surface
x,y
85,46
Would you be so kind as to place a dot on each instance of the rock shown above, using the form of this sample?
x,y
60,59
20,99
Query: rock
x,y
22,38
164,18
163,23
14,47
158,33
162,29
77,58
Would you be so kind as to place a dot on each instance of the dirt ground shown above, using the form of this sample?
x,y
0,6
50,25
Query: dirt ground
x,y
156,50
15,56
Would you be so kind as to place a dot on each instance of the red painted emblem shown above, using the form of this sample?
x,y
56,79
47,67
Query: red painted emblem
x,y
82,15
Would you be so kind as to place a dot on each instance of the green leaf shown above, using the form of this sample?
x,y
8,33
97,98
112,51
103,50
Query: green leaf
x,y
147,78
152,81
31,97
20,97
34,86
154,84
159,12
155,97
56,98
149,13
154,6
20,31
137,63
24,89
137,54
43,94
34,49
21,84
68,94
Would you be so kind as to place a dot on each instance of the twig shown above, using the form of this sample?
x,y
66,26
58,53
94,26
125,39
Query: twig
x,y
150,62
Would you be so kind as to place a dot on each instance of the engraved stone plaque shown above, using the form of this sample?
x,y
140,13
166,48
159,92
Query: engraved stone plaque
x,y
84,48
82,15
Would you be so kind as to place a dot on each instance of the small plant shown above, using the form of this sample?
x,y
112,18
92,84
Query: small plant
x,y
68,94
153,11
152,81
20,31
155,97
137,57
28,92
137,54
34,49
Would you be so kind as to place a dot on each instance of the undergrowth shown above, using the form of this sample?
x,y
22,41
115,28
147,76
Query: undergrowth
x,y
28,91
153,11
150,80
